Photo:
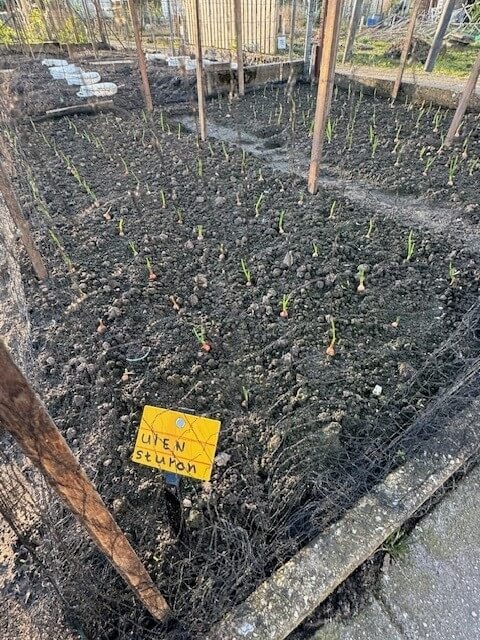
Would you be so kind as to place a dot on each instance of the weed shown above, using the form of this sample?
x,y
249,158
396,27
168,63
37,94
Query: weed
x,y
396,545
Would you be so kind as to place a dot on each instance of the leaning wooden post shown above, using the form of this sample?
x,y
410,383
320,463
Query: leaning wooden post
x,y
101,25
239,38
447,11
293,17
23,415
325,87
21,223
463,104
200,83
406,47
142,65
352,30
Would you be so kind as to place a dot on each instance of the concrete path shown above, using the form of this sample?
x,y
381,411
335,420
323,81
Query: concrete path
x,y
433,590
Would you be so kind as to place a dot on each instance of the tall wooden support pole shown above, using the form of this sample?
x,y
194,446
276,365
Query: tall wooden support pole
x,y
90,30
463,104
442,27
352,30
307,52
142,65
200,81
406,47
325,87
170,27
20,222
101,25
237,6
26,419
293,18
315,68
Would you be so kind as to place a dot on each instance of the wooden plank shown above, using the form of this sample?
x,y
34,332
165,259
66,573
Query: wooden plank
x,y
24,416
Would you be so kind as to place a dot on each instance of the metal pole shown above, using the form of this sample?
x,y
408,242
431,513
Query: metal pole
x,y
463,104
239,38
307,53
352,30
442,27
325,87
200,84
406,47
23,415
141,57
293,17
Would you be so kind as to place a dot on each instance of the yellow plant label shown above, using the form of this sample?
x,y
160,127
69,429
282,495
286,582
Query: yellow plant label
x,y
176,442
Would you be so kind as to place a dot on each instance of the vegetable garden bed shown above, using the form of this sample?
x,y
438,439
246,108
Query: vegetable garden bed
x,y
330,327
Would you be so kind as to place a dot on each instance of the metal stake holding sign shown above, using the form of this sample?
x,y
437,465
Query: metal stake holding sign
x,y
176,442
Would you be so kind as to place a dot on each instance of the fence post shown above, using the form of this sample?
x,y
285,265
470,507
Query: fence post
x,y
406,47
200,84
325,87
21,223
26,419
101,25
352,30
307,53
239,38
439,34
141,56
463,104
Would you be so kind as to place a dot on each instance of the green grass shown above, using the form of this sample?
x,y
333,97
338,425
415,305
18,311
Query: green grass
x,y
454,62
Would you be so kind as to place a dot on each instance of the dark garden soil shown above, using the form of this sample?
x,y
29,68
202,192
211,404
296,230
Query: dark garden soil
x,y
34,91
393,148
304,434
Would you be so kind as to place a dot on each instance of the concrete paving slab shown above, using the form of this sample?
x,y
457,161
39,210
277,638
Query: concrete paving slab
x,y
433,591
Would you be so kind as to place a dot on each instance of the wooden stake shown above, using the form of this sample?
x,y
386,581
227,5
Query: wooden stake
x,y
307,53
293,17
21,223
239,38
352,30
463,104
142,65
200,84
443,23
101,25
325,87
90,30
26,419
315,70
406,47
170,27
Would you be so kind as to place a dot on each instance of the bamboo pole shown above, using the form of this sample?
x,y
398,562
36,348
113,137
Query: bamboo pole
x,y
406,47
237,7
24,416
443,23
200,81
21,223
325,87
142,65
463,104
352,30
293,17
